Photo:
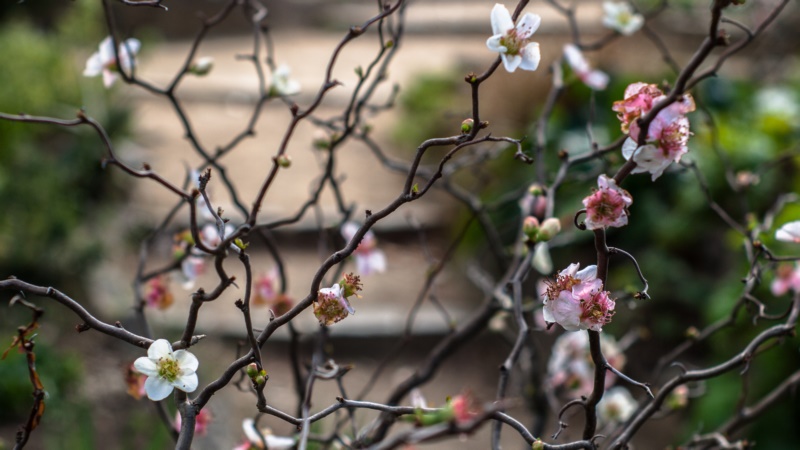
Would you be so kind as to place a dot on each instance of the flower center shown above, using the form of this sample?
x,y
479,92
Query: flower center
x,y
624,18
512,42
168,369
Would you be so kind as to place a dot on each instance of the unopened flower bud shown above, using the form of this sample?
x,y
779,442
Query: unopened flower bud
x,y
678,398
550,227
260,380
537,445
252,370
530,227
202,66
536,189
467,125
284,161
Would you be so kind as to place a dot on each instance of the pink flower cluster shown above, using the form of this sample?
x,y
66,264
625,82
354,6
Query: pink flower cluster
x,y
608,205
668,134
576,300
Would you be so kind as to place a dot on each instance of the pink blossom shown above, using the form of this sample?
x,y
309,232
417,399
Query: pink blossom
x,y
464,407
789,232
608,205
192,267
265,292
331,305
576,300
787,279
638,100
594,79
157,294
369,258
135,382
201,421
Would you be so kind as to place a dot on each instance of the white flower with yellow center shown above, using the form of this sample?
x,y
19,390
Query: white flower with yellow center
x,y
104,60
621,17
513,42
166,370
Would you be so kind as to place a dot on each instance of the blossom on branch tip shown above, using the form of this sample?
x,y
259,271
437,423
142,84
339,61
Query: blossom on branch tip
x,y
104,60
282,84
369,258
331,305
608,205
621,17
787,278
594,79
513,42
167,369
616,406
789,232
257,438
576,300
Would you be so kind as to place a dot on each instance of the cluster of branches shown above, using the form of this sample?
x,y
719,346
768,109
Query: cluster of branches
x,y
502,292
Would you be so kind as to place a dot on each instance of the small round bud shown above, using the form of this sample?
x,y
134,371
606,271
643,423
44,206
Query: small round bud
x,y
202,66
550,227
536,189
284,161
530,227
260,380
252,370
537,445
466,126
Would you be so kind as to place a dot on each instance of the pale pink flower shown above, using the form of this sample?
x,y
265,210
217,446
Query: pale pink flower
x,y
331,305
265,292
789,232
157,294
254,440
576,300
513,43
464,407
571,368
787,279
201,421
134,380
369,258
608,205
594,79
210,236
105,61
192,267
638,100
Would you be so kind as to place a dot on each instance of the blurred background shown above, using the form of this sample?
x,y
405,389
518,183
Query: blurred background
x,y
70,224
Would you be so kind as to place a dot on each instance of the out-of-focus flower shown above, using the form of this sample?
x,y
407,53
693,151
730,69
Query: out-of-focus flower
x,y
576,300
135,382
594,79
166,370
678,398
779,102
464,407
513,43
282,84
534,202
543,232
789,232
787,279
621,17
192,267
255,441
201,421
668,133
608,205
210,236
104,61
570,366
265,290
616,406
157,294
369,258
202,66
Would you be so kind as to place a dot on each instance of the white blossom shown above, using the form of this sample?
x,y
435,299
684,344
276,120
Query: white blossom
x,y
621,17
513,42
105,61
595,79
281,83
166,370
789,232
617,406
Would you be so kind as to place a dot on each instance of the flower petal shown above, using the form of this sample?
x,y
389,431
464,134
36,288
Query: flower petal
x,y
789,232
159,349
94,65
187,361
528,25
146,366
494,44
186,382
107,50
530,56
501,19
157,388
511,62
109,77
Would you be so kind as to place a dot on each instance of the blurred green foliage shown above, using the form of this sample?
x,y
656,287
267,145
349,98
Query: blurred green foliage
x,y
55,196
